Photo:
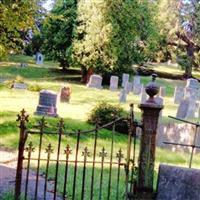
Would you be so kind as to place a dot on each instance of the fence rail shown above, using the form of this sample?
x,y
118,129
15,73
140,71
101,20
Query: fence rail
x,y
84,175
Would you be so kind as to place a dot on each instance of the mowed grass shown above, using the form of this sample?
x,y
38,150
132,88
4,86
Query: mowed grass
x,y
75,114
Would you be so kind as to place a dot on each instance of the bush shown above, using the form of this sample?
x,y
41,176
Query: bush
x,y
35,88
105,113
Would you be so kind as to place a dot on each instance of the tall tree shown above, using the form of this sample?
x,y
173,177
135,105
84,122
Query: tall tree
x,y
179,25
112,35
16,18
57,32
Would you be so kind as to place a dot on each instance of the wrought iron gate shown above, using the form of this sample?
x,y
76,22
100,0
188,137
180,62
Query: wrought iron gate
x,y
74,171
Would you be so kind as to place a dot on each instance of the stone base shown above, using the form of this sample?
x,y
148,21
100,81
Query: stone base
x,y
46,110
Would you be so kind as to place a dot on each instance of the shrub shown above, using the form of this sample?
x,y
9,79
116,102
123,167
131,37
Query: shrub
x,y
19,79
105,113
35,88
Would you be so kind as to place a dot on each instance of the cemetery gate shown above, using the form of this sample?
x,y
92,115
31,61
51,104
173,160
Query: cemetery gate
x,y
65,169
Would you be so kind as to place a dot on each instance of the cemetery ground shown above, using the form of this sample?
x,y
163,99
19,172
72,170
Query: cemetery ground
x,y
75,113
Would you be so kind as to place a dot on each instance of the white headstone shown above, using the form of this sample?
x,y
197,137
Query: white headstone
x,y
39,58
136,80
178,94
137,89
128,87
162,91
122,96
114,83
125,79
144,95
95,81
20,86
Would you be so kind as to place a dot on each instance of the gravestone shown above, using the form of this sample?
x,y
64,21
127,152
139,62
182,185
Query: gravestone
x,y
39,58
136,80
23,65
114,83
186,109
65,94
95,81
162,91
137,89
192,89
125,79
128,87
122,96
47,103
144,95
22,86
178,94
178,183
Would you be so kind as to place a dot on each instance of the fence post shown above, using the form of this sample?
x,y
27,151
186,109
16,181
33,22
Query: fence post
x,y
150,115
22,118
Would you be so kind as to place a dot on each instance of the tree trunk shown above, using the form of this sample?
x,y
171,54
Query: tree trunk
x,y
86,73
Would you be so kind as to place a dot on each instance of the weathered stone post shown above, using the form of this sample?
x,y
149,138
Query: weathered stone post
x,y
150,115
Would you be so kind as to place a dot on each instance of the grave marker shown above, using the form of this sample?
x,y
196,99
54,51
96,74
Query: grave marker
x,y
39,58
47,103
95,81
125,79
122,96
22,86
178,183
114,83
178,94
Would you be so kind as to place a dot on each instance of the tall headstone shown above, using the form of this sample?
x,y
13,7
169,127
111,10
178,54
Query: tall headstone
x,y
114,83
178,183
192,89
122,96
136,80
143,96
39,58
162,91
186,109
178,94
128,87
47,103
137,89
95,81
125,79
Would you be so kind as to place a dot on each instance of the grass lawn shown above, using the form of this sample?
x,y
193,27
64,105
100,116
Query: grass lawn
x,y
48,76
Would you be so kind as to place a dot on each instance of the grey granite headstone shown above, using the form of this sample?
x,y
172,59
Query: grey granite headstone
x,y
122,96
114,83
20,86
178,183
95,81
178,94
186,109
39,58
47,103
125,79
23,65
182,109
192,89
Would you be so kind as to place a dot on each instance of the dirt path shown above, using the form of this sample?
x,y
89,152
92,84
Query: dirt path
x,y
7,178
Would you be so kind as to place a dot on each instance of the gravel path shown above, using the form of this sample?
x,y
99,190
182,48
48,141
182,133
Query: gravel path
x,y
7,178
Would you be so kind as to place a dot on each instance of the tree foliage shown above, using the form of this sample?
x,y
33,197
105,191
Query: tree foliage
x,y
57,32
16,18
112,35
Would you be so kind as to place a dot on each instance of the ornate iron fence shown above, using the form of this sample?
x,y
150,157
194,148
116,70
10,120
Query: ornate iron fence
x,y
77,172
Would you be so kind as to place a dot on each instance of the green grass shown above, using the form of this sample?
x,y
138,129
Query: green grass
x,y
48,76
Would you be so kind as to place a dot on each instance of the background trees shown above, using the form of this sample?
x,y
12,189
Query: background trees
x,y
57,32
16,19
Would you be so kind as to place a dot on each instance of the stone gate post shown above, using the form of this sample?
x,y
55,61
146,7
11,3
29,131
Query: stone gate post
x,y
150,115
